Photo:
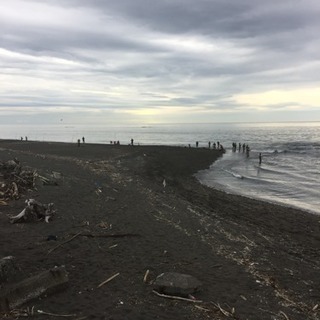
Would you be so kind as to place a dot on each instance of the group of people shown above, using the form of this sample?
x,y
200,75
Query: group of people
x,y
83,141
244,147
216,146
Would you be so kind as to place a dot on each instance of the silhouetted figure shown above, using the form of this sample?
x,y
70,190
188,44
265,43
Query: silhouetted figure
x,y
260,158
243,147
239,147
218,144
132,142
197,144
247,151
83,140
214,145
209,144
26,138
78,142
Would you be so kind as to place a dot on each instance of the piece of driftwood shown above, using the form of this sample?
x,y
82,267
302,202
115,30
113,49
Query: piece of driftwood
x,y
61,244
108,280
55,314
8,269
145,278
112,235
34,211
47,282
3,203
175,297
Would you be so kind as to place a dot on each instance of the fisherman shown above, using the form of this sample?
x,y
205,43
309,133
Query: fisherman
x,y
247,151
260,158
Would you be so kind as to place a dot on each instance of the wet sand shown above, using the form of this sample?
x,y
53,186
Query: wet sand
x,y
256,260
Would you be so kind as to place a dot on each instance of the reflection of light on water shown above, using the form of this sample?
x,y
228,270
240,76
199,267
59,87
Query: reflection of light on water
x,y
275,180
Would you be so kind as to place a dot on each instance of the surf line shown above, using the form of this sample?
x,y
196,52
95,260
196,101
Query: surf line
x,y
236,175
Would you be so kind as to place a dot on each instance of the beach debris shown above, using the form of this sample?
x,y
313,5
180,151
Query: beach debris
x,y
103,225
50,281
176,284
34,211
145,278
202,308
175,297
3,203
164,183
17,313
52,237
108,280
61,244
111,235
226,313
14,180
8,269
49,180
55,314
284,315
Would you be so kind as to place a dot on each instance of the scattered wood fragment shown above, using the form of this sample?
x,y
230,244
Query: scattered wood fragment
x,y
112,235
286,317
61,244
108,280
17,313
55,314
202,308
145,278
3,203
225,312
175,297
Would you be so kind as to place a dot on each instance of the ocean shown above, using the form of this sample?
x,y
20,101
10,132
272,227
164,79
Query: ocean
x,y
289,173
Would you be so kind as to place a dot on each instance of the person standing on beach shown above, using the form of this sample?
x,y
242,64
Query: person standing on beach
x,y
83,140
78,142
260,158
132,142
197,144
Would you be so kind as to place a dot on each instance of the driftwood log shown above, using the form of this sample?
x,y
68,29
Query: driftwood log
x,y
34,211
46,282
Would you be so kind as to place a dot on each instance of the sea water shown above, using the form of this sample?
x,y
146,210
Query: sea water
x,y
289,173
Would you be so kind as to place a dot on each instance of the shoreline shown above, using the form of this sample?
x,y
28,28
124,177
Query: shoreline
x,y
259,258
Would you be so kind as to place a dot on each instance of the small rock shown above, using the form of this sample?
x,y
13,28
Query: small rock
x,y
178,284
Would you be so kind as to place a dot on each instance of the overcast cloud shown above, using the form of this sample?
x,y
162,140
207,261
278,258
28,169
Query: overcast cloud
x,y
143,61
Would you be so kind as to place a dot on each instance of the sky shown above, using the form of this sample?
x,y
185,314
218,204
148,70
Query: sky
x,y
166,61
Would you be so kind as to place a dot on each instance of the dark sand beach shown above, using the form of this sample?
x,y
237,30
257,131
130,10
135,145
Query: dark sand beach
x,y
255,260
